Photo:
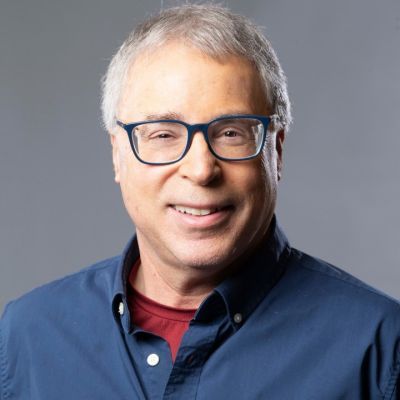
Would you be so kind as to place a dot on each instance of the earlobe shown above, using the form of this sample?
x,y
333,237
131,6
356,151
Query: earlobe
x,y
115,157
280,137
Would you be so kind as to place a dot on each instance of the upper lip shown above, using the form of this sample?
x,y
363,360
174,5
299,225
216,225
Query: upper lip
x,y
202,206
196,210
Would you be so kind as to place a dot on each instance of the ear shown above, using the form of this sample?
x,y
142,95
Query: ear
x,y
280,138
115,157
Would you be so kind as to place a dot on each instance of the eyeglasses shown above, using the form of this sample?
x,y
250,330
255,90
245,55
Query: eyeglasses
x,y
166,141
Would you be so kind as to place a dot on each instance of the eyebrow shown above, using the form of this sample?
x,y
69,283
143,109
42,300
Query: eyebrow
x,y
170,115
233,114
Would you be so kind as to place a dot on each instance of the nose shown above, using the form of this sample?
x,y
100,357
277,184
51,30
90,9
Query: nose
x,y
199,165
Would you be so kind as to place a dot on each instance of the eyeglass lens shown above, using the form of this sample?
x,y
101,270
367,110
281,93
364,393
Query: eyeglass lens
x,y
233,138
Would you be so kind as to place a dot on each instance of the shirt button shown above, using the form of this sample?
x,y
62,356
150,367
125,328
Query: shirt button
x,y
191,360
121,308
238,318
153,359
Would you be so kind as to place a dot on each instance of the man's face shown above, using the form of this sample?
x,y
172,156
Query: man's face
x,y
181,81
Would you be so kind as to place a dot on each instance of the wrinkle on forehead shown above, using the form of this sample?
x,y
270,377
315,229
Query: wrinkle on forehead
x,y
174,58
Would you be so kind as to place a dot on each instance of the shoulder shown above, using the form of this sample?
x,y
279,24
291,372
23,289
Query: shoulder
x,y
349,317
346,306
76,291
333,282
58,317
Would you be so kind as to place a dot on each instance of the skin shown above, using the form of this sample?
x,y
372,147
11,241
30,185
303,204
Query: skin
x,y
184,257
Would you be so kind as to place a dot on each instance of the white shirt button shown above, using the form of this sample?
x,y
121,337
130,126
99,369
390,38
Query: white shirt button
x,y
153,359
121,308
238,318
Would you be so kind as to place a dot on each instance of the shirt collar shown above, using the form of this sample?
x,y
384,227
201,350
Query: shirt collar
x,y
238,295
125,264
243,291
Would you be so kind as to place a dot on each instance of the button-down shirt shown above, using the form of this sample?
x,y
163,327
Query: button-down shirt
x,y
286,326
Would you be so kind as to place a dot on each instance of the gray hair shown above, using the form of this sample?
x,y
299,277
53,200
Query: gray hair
x,y
213,30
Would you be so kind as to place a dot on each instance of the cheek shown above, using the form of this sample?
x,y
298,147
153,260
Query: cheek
x,y
130,197
253,183
131,183
263,183
141,187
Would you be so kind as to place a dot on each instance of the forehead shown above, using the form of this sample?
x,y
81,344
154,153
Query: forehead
x,y
182,79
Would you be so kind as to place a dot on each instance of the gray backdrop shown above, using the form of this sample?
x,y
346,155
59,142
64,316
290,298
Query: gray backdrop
x,y
340,195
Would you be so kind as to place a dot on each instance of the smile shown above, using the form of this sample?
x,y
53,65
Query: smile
x,y
195,211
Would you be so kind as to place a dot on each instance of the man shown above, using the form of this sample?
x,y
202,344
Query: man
x,y
208,301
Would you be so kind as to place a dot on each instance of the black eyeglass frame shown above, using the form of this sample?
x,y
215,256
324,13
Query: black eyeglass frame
x,y
194,128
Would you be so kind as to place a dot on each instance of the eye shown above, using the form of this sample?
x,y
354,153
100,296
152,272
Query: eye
x,y
231,133
161,135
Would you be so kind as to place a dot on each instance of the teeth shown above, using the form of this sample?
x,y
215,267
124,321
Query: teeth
x,y
194,211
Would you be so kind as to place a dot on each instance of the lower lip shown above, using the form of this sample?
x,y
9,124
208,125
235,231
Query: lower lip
x,y
202,221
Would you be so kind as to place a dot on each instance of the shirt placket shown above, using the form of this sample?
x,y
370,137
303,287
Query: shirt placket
x,y
196,346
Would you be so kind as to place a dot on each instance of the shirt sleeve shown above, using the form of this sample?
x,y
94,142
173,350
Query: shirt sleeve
x,y
4,383
392,391
396,391
8,341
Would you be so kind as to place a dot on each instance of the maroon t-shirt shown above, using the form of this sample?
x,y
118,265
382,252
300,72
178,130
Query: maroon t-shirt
x,y
167,322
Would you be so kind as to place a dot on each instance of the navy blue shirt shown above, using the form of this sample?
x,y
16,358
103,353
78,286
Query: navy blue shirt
x,y
287,326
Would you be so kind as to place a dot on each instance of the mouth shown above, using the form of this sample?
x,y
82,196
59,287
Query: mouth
x,y
201,216
197,211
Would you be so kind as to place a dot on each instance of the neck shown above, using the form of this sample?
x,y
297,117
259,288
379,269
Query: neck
x,y
176,285
169,286
170,283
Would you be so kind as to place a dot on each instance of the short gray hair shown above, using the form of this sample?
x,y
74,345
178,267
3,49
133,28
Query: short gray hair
x,y
212,29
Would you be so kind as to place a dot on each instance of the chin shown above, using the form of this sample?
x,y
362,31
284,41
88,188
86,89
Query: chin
x,y
205,256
